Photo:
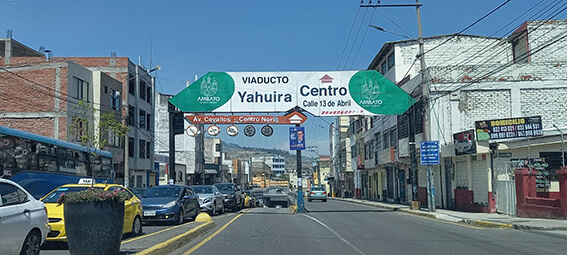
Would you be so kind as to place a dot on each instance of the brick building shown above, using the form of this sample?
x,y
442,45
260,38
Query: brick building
x,y
39,95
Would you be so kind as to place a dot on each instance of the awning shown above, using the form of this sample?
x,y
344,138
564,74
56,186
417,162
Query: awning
x,y
210,171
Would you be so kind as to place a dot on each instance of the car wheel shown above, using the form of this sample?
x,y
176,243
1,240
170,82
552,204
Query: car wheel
x,y
222,208
32,244
309,200
137,226
214,210
180,217
325,200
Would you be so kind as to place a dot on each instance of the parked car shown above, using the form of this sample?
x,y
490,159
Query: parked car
x,y
132,209
232,195
210,198
170,203
139,192
317,193
23,220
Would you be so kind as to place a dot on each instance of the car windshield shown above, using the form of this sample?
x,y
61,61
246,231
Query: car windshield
x,y
162,192
225,187
53,196
203,190
317,189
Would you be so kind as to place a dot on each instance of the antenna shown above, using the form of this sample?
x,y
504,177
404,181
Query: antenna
x,y
42,49
9,33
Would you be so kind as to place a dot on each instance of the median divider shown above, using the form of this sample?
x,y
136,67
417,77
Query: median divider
x,y
178,241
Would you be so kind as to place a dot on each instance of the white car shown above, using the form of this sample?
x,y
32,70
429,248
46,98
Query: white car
x,y
23,220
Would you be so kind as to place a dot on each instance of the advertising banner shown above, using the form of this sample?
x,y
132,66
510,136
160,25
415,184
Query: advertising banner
x,y
297,138
508,128
464,142
333,93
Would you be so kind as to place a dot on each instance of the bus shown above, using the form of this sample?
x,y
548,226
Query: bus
x,y
41,164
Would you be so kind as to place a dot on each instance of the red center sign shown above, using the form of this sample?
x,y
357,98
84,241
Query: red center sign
x,y
291,118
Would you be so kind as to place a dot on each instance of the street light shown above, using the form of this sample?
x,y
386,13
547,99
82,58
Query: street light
x,y
391,32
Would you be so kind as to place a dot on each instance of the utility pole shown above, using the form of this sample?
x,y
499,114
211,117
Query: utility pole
x,y
411,112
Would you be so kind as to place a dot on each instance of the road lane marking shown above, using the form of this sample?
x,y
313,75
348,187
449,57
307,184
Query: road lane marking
x,y
334,233
151,234
213,235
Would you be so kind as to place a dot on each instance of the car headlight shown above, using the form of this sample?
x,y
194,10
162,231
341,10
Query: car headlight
x,y
206,200
231,195
170,204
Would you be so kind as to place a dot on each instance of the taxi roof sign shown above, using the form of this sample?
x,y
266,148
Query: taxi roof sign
x,y
86,181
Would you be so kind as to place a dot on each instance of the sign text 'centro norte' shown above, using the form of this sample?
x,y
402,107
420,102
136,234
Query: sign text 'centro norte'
x,y
333,93
291,118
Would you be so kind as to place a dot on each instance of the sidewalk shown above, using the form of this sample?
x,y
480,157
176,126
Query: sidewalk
x,y
491,220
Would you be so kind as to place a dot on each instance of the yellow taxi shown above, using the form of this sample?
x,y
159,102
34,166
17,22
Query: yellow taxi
x,y
132,209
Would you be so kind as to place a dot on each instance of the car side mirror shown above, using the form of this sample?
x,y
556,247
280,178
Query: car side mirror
x,y
217,193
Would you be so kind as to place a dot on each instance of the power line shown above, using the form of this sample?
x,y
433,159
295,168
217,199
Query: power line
x,y
348,38
355,39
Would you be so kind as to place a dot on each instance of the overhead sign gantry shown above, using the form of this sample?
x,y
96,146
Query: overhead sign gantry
x,y
333,93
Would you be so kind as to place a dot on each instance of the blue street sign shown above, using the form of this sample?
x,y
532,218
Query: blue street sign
x,y
429,152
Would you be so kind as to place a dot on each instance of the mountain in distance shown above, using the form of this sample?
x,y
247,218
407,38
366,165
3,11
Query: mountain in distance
x,y
235,151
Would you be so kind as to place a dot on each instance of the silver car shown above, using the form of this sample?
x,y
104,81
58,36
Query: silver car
x,y
210,199
23,220
317,193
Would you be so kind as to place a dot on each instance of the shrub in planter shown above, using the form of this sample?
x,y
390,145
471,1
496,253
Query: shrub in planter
x,y
94,219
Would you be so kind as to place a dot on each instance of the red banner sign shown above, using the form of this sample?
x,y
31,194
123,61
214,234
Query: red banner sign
x,y
291,118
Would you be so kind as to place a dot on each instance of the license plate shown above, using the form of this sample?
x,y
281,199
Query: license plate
x,y
149,213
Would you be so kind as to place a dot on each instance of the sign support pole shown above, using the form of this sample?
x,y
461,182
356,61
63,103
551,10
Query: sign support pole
x,y
300,202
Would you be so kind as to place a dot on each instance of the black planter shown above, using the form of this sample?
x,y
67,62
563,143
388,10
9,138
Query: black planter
x,y
94,227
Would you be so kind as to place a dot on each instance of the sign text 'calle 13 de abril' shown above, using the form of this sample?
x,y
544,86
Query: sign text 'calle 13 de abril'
x,y
333,93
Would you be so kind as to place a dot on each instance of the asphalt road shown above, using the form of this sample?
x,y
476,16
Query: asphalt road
x,y
345,228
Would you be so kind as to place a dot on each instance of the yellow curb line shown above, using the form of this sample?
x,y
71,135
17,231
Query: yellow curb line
x,y
492,224
178,241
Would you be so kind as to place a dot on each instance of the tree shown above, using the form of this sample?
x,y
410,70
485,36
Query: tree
x,y
94,133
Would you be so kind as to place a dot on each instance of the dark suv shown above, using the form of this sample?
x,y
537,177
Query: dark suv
x,y
232,195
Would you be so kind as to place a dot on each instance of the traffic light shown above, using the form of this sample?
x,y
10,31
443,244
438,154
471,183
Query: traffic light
x,y
178,123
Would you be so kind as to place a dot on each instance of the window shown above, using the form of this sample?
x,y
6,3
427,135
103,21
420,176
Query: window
x,y
131,85
131,147
521,48
11,195
384,68
149,94
105,89
217,147
82,89
142,119
131,115
386,140
114,99
149,122
142,151
148,149
142,89
391,61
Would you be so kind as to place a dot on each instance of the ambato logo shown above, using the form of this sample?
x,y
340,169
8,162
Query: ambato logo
x,y
209,88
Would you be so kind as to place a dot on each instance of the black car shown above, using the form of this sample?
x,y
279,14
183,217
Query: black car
x,y
170,203
232,195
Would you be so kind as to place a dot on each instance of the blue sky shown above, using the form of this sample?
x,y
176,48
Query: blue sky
x,y
191,38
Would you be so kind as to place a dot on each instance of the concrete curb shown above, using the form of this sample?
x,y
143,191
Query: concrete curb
x,y
488,224
178,241
432,216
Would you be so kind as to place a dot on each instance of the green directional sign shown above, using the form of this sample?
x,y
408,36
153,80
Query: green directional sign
x,y
377,94
206,94
333,93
